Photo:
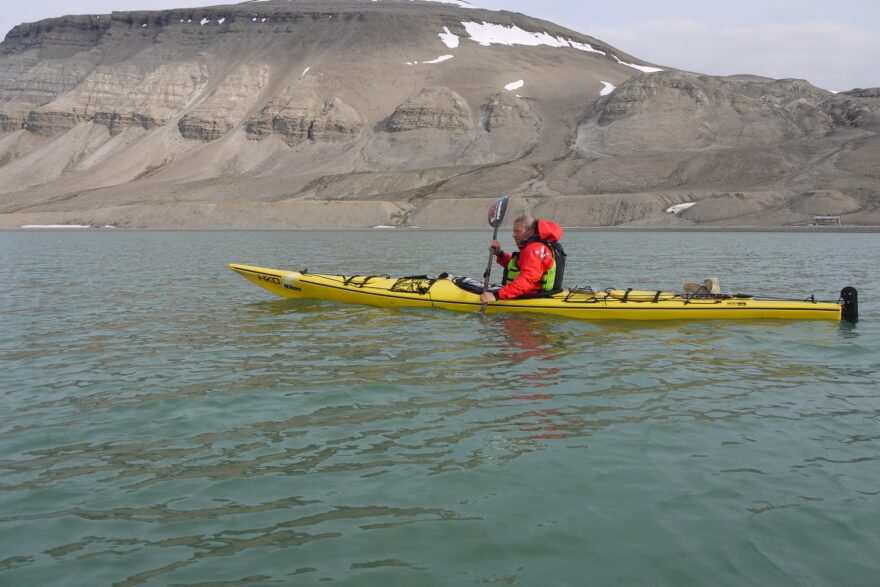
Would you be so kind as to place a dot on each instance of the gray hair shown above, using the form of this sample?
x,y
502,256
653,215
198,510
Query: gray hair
x,y
528,221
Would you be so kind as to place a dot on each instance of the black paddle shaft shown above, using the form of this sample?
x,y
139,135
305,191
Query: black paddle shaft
x,y
489,266
496,217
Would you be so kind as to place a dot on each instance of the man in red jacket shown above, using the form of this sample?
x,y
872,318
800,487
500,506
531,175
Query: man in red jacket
x,y
536,269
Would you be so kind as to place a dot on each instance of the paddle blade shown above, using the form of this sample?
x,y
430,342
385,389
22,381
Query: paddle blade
x,y
497,212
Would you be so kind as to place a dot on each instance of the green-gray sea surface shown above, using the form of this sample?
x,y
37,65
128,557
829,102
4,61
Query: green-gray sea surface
x,y
165,422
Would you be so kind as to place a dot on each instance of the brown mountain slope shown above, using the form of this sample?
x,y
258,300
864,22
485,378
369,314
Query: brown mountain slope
x,y
283,113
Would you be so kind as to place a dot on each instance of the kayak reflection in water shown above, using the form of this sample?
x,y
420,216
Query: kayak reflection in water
x,y
531,342
536,268
533,346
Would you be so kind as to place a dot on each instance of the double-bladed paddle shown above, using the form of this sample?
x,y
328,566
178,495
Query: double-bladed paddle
x,y
496,217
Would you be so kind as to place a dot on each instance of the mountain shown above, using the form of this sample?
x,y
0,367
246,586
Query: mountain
x,y
355,113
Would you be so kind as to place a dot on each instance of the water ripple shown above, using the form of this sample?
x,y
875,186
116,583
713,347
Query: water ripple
x,y
159,429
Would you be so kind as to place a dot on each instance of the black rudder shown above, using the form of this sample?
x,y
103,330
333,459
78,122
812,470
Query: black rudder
x,y
849,296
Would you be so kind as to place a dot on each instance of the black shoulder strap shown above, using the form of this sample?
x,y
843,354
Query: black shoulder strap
x,y
559,256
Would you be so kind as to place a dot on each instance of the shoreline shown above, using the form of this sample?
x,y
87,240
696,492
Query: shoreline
x,y
798,229
622,212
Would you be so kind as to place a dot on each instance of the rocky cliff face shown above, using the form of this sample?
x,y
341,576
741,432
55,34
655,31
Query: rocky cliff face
x,y
504,111
680,111
434,108
306,116
401,102
119,97
225,106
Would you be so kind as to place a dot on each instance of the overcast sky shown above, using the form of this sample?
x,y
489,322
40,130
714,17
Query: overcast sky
x,y
833,44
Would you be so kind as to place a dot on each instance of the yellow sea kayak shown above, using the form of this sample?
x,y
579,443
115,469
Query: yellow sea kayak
x,y
447,293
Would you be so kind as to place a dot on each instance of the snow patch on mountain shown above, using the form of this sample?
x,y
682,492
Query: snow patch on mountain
x,y
460,3
440,59
486,33
644,68
679,208
449,39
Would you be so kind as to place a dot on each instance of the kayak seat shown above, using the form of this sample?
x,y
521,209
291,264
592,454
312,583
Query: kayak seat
x,y
538,296
474,286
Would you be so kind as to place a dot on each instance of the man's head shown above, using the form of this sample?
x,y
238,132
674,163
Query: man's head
x,y
524,228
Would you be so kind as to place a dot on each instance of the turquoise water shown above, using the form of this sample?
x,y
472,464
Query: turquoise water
x,y
165,422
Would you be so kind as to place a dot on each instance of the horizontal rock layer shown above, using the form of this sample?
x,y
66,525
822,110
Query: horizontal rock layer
x,y
344,100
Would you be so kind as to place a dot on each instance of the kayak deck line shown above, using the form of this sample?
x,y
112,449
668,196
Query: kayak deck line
x,y
447,293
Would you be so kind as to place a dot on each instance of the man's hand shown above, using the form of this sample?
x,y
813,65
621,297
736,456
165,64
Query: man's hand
x,y
495,247
487,297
